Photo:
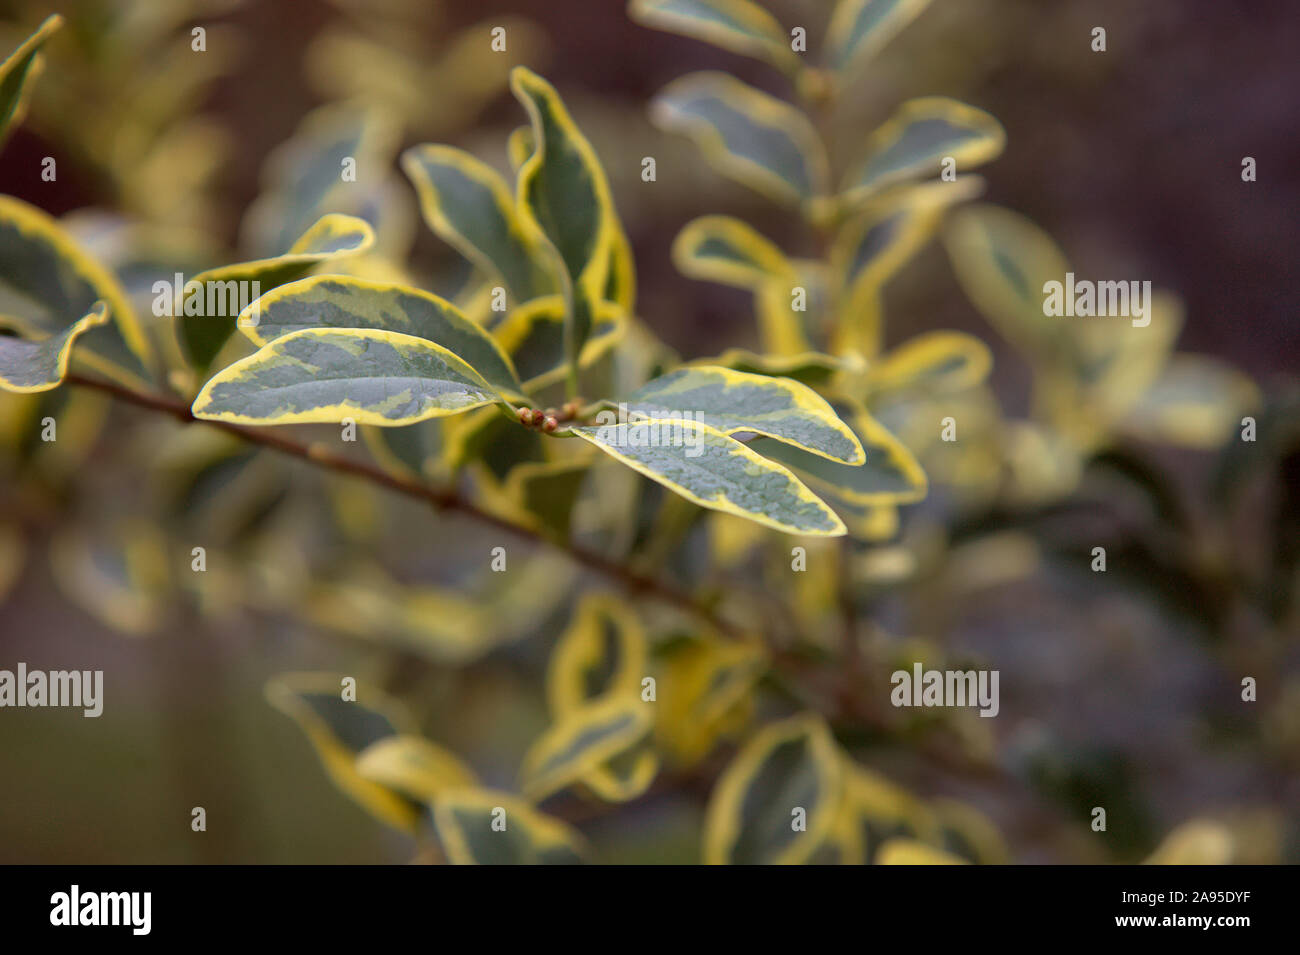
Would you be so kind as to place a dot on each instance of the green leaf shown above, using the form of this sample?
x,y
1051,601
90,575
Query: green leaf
x,y
484,827
860,28
746,134
890,475
735,401
914,142
706,692
533,336
39,366
212,299
338,301
884,235
413,766
712,470
582,740
18,74
601,654
727,250
811,368
564,197
932,363
117,574
47,283
340,729
787,767
327,375
545,493
740,26
469,205
303,178
1197,402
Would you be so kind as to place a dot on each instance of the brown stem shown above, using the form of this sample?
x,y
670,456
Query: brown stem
x,y
444,499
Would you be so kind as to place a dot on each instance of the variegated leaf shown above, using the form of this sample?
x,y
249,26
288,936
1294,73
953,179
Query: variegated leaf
x,y
715,471
27,366
735,401
327,375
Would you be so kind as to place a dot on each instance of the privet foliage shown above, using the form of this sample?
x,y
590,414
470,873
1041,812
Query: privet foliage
x,y
495,387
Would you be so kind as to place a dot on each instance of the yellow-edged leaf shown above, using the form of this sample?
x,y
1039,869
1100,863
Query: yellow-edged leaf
x,y
727,250
27,366
485,827
18,75
740,26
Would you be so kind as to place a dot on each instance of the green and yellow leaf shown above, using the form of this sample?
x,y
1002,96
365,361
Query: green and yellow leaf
x,y
1197,402
342,302
932,363
18,74
329,374
485,827
27,366
706,693
533,336
582,740
891,475
413,766
340,729
860,28
746,134
727,250
601,654
715,471
564,198
468,204
736,402
212,299
47,283
810,368
787,770
915,141
740,26
118,575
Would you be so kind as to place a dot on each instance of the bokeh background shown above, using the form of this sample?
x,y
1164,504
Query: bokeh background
x,y
1130,158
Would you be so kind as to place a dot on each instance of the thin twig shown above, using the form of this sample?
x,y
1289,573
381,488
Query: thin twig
x,y
444,499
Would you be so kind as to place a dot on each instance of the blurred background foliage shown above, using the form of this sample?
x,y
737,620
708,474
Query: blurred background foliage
x,y
1119,690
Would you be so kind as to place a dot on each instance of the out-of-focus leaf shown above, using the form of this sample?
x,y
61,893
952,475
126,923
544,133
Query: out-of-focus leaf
x,y
469,205
736,402
913,143
545,493
12,550
533,337
810,368
565,199
740,26
212,300
1197,402
860,28
704,695
969,834
931,363
715,471
871,248
777,799
484,827
18,74
340,729
793,310
746,134
891,475
413,766
413,452
343,302
39,366
727,250
47,283
1198,842
118,575
582,740
329,374
900,851
601,654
